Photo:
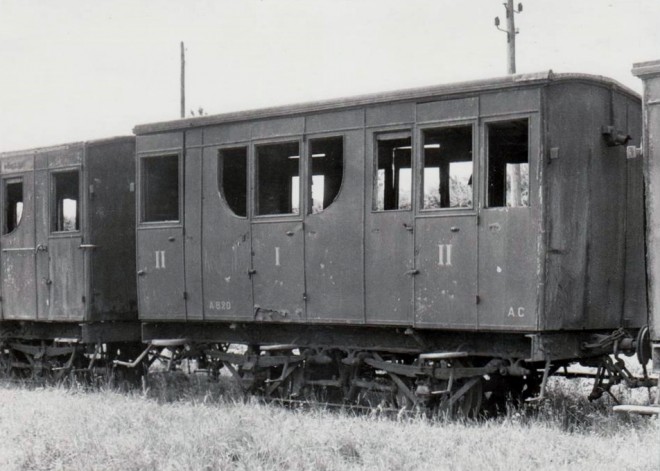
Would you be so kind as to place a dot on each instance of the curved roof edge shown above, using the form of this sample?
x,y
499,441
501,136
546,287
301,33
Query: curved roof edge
x,y
510,81
65,146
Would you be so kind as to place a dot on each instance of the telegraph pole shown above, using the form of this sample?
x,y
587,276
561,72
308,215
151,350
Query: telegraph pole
x,y
183,81
510,33
515,176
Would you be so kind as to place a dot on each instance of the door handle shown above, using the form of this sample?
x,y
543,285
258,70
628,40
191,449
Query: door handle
x,y
42,248
251,272
88,246
412,272
408,227
141,272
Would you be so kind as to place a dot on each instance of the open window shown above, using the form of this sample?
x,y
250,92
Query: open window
x,y
160,188
232,178
66,201
508,163
327,164
13,210
278,179
393,172
447,162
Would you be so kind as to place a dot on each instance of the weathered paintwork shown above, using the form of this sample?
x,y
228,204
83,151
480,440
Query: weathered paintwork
x,y
78,275
571,260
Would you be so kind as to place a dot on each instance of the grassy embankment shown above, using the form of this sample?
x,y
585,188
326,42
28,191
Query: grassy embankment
x,y
182,423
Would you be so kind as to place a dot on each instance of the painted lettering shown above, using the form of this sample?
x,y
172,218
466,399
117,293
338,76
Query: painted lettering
x,y
444,255
160,259
220,305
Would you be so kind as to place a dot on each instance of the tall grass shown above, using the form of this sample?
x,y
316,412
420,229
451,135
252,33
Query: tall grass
x,y
184,422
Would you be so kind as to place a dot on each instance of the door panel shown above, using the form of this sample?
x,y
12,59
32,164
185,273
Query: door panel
x,y
389,228
160,274
226,255
446,285
389,265
333,245
66,279
507,269
19,297
62,220
278,283
508,230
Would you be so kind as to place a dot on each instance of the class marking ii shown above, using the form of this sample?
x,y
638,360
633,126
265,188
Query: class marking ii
x,y
444,255
277,256
160,259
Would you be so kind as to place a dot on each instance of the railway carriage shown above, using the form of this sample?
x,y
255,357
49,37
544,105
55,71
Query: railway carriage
x,y
67,256
412,243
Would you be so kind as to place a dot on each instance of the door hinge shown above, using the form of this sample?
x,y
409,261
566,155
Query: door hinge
x,y
84,299
478,300
185,295
478,219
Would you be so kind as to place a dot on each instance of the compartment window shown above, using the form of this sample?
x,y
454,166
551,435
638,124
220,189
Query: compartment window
x,y
393,178
232,178
160,188
278,179
327,157
66,210
13,204
447,161
508,164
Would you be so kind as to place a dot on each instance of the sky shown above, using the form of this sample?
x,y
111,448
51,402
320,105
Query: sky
x,y
75,70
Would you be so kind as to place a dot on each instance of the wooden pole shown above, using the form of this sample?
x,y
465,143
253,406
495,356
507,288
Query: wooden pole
x,y
511,36
183,81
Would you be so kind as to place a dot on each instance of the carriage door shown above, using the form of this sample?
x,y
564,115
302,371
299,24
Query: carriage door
x,y
277,233
65,281
389,228
161,285
507,235
446,229
19,297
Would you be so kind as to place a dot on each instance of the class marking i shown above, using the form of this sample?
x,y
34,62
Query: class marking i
x,y
444,254
160,259
277,256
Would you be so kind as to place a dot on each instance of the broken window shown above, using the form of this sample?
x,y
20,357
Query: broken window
x,y
447,162
66,207
278,179
393,178
508,164
327,156
160,188
13,204
232,178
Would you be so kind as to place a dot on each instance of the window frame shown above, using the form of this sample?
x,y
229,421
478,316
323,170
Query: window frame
x,y
403,132
419,173
3,219
486,157
248,167
142,195
310,174
52,203
253,190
